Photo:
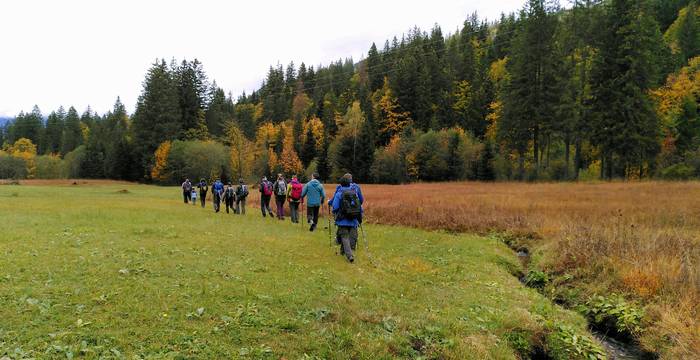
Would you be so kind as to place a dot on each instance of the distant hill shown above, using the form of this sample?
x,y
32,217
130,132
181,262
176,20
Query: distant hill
x,y
5,119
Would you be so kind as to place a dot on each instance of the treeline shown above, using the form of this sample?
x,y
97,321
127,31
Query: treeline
x,y
604,89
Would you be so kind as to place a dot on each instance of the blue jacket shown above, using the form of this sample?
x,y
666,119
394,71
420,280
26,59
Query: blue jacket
x,y
314,192
353,186
337,198
218,187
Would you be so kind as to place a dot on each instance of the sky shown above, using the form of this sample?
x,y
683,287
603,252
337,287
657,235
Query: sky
x,y
87,52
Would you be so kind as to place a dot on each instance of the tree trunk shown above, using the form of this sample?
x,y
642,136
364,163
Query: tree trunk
x,y
567,154
577,159
536,149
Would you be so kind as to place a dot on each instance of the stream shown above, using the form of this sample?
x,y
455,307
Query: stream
x,y
615,349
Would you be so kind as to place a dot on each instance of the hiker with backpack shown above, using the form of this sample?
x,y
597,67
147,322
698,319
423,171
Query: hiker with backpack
x,y
203,189
280,190
294,190
187,190
241,195
347,208
355,187
315,196
265,196
217,191
229,197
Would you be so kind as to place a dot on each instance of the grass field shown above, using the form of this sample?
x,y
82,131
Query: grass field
x,y
111,270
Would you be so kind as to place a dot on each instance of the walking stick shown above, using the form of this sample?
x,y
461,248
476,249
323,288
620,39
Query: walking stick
x,y
330,231
369,255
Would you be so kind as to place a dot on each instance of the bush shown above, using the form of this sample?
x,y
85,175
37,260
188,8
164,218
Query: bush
x,y
536,279
198,159
678,172
615,313
49,167
389,166
564,343
12,167
73,162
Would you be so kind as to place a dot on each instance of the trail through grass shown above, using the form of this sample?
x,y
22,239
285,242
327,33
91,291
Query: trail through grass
x,y
95,272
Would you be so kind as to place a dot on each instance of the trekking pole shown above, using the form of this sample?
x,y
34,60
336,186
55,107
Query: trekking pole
x,y
369,255
330,231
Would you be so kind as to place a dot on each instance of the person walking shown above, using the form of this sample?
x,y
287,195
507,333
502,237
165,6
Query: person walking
x,y
187,190
280,190
203,189
217,191
355,187
229,197
347,209
315,196
294,190
265,196
241,195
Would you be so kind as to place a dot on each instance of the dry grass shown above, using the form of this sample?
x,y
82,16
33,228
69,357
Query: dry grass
x,y
642,239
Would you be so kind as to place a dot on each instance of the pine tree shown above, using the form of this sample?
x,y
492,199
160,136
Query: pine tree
x,y
218,111
54,134
72,133
157,116
374,69
625,125
528,112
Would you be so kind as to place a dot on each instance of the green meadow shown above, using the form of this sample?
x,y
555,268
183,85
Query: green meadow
x,y
129,271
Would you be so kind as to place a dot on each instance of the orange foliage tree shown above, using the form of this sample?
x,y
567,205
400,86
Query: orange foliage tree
x,y
159,172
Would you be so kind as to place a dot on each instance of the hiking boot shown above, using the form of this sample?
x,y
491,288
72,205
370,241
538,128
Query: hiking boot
x,y
351,259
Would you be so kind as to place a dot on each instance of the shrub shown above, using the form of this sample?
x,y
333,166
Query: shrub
x,y
49,167
73,161
197,159
12,167
536,279
615,313
564,343
678,172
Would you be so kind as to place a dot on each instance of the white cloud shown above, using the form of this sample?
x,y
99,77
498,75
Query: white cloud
x,y
81,52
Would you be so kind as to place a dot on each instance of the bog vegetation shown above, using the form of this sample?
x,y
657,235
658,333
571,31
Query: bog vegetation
x,y
541,94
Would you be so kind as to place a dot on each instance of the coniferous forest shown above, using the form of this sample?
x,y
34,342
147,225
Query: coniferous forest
x,y
596,90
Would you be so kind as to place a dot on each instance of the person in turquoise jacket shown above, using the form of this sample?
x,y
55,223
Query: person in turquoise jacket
x,y
315,196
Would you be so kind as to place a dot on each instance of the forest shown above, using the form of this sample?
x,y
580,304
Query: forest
x,y
594,90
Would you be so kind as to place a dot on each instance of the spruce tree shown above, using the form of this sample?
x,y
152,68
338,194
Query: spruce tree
x,y
54,134
72,133
625,125
157,116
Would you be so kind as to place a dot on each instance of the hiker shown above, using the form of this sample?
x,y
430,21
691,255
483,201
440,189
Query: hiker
x,y
315,196
347,208
193,196
354,187
229,197
280,190
217,191
187,190
294,190
203,188
265,196
241,195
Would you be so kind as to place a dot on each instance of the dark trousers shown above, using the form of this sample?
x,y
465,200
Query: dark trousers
x,y
240,206
265,205
187,195
217,201
312,214
229,203
347,236
279,201
202,197
294,211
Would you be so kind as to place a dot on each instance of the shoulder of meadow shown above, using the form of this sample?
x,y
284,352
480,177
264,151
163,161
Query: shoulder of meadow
x,y
100,272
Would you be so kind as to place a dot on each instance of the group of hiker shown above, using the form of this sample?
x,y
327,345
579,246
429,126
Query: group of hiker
x,y
234,198
345,204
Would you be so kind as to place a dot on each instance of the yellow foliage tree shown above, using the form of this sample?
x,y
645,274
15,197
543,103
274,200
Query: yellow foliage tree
x,y
289,161
390,118
158,172
24,148
317,129
242,152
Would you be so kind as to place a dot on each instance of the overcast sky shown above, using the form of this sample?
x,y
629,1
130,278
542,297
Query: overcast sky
x,y
89,52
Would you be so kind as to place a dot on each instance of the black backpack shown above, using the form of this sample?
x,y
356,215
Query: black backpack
x,y
350,207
